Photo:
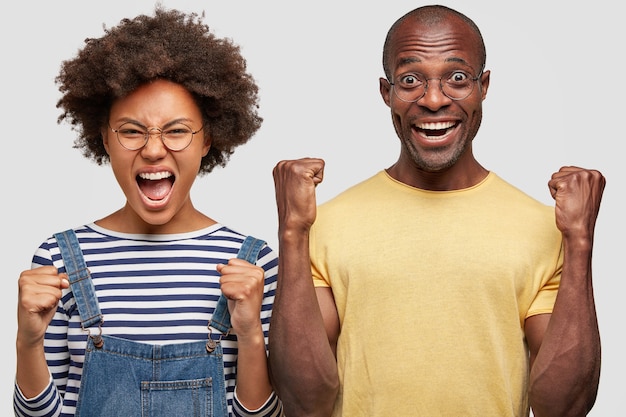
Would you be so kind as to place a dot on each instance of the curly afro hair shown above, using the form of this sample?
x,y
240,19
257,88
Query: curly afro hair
x,y
169,45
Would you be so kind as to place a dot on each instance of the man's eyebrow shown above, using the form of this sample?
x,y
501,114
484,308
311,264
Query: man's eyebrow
x,y
412,60
458,60
408,60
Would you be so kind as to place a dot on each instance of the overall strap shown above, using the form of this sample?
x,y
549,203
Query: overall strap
x,y
249,251
81,283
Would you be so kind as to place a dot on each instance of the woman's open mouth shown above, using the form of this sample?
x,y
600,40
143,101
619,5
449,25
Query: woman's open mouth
x,y
155,185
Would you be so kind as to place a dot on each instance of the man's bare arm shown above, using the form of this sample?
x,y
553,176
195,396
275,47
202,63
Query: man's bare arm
x,y
302,359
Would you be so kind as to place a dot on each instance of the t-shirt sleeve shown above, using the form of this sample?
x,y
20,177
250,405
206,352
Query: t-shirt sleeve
x,y
546,296
46,404
318,272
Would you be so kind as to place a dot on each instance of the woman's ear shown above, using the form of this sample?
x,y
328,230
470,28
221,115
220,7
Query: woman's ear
x,y
207,145
104,134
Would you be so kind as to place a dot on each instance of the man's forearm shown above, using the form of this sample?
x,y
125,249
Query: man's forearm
x,y
566,372
302,363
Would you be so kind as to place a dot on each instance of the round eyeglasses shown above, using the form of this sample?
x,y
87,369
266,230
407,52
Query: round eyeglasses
x,y
456,85
175,137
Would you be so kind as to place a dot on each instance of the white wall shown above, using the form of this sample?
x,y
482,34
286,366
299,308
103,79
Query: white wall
x,y
556,98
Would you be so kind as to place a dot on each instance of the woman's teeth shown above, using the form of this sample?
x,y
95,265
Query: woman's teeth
x,y
154,176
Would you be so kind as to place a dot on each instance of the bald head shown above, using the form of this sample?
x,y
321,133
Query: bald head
x,y
430,16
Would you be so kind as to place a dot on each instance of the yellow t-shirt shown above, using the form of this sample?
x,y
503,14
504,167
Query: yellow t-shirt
x,y
432,290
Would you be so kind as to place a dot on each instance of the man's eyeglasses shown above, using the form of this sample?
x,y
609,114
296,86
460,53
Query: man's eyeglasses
x,y
175,137
456,85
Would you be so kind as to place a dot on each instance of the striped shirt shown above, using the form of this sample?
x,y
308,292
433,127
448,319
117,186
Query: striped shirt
x,y
156,289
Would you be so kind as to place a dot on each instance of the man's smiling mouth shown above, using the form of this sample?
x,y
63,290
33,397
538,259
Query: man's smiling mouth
x,y
434,129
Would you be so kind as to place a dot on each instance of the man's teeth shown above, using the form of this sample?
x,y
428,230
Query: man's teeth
x,y
153,176
435,125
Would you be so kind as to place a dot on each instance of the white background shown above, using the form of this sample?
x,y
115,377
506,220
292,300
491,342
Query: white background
x,y
556,98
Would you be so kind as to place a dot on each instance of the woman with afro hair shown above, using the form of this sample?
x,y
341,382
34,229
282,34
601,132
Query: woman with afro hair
x,y
156,309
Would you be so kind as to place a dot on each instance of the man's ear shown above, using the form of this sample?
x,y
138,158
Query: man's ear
x,y
385,90
484,83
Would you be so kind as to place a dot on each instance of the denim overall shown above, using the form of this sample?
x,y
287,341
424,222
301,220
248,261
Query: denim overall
x,y
126,378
